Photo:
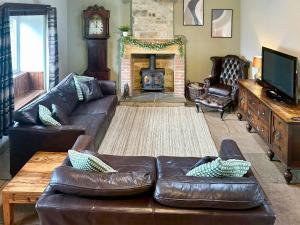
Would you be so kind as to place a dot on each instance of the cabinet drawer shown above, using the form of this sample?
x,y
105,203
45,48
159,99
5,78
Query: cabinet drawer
x,y
264,113
253,103
279,138
243,100
252,117
263,130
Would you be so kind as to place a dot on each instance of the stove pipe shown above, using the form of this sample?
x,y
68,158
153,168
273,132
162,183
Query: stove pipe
x,y
152,62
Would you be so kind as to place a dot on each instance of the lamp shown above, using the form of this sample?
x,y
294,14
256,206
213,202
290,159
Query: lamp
x,y
257,63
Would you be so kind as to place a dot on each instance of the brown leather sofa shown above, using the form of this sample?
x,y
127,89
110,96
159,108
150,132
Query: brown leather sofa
x,y
161,195
93,118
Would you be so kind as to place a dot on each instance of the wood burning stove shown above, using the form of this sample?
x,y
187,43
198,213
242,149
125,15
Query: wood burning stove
x,y
153,79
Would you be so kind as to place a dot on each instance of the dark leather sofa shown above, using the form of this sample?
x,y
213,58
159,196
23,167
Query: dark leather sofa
x,y
77,197
93,118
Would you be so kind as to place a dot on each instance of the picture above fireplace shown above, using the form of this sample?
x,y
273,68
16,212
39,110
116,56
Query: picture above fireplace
x,y
152,78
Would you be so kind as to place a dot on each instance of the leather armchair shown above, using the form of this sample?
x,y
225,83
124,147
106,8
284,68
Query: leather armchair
x,y
222,88
226,72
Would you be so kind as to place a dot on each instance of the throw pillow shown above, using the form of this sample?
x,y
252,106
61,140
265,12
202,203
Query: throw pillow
x,y
78,80
220,168
60,115
91,90
46,118
88,162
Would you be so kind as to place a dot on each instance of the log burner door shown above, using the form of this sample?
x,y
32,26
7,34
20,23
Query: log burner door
x,y
153,80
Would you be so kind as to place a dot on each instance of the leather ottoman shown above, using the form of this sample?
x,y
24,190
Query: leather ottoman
x,y
215,102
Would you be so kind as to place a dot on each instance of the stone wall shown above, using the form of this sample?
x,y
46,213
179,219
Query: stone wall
x,y
153,19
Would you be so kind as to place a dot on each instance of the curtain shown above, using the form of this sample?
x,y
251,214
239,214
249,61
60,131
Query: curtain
x,y
53,48
6,74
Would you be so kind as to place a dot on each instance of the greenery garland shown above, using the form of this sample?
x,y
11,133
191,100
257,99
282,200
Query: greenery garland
x,y
152,45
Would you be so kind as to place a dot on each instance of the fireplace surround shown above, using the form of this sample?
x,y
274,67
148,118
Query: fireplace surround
x,y
152,22
127,68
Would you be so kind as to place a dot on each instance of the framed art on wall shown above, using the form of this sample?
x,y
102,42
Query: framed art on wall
x,y
193,11
221,23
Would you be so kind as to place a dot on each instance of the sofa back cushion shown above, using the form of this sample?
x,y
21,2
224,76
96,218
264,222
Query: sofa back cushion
x,y
63,95
136,175
174,188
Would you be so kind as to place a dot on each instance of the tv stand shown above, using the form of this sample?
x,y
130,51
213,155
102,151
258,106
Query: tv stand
x,y
276,122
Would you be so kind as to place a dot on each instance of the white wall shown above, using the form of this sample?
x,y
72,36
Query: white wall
x,y
270,23
62,15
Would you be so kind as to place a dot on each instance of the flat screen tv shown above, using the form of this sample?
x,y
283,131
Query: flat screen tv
x,y
279,72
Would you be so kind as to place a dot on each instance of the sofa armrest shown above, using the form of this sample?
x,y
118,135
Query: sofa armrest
x,y
108,87
230,150
25,141
84,142
210,81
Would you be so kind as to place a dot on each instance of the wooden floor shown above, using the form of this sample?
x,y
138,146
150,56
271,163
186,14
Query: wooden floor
x,y
25,99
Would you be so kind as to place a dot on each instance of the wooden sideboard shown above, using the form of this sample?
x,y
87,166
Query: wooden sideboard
x,y
277,123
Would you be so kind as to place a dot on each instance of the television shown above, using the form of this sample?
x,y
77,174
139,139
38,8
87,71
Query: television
x,y
280,74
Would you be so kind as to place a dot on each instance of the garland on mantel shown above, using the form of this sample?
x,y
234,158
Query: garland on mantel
x,y
152,45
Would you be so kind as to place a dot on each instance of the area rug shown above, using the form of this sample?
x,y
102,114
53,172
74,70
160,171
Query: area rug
x,y
158,131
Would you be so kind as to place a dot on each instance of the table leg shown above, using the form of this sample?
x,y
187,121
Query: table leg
x,y
8,214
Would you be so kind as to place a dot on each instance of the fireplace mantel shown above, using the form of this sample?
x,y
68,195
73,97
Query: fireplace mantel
x,y
126,76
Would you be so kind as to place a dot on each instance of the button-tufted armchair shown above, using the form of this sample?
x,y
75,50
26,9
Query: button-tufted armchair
x,y
222,88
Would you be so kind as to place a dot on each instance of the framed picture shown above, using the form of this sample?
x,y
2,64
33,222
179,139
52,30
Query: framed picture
x,y
221,23
193,11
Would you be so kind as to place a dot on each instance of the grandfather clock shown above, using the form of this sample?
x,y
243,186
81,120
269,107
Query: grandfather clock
x,y
96,33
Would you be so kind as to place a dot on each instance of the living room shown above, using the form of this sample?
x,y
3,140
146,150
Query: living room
x,y
129,112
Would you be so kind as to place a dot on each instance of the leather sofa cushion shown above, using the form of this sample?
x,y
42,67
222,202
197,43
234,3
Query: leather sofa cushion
x,y
91,90
105,105
63,95
60,115
220,89
29,115
136,175
92,124
175,189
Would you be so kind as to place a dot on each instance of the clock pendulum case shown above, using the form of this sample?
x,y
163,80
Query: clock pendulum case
x,y
96,33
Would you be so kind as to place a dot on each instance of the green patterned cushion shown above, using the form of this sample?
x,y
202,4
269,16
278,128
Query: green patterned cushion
x,y
78,80
46,118
84,161
220,168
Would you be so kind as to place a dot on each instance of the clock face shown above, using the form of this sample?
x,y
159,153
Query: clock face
x,y
96,26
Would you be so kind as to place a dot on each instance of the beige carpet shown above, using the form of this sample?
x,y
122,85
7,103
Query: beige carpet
x,y
156,131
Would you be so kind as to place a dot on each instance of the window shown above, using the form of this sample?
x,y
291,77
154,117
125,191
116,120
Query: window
x,y
28,48
28,43
14,44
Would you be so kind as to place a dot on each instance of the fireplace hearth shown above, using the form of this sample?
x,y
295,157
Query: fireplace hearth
x,y
152,78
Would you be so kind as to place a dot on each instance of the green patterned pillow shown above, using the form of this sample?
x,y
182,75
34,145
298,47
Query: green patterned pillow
x,y
46,118
78,80
88,162
220,168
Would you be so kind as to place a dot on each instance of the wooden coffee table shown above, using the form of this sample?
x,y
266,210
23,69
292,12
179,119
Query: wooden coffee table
x,y
28,185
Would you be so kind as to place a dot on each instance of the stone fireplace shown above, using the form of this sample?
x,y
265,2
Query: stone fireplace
x,y
152,22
